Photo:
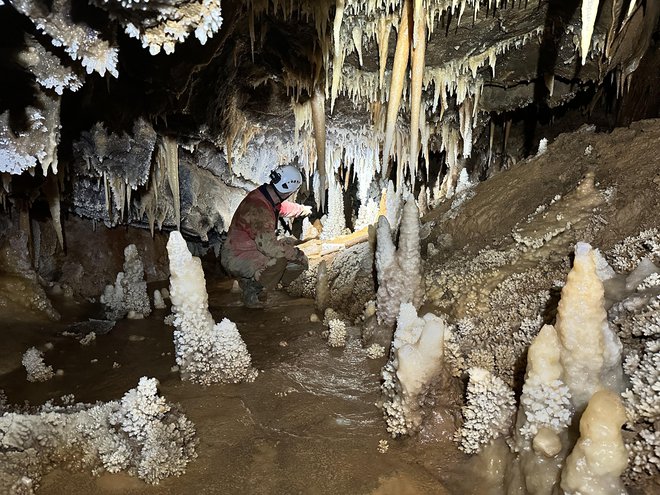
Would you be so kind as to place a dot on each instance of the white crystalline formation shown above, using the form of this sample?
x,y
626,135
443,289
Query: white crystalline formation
x,y
337,333
79,41
375,351
415,364
37,370
399,270
163,25
488,413
37,144
545,400
642,401
206,352
142,434
129,294
590,350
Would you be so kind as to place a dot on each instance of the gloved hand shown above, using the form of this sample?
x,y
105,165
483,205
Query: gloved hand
x,y
306,211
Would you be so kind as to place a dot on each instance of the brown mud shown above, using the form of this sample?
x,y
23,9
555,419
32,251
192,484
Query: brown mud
x,y
307,425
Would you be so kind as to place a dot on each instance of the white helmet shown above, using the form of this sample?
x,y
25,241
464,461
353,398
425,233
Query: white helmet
x,y
286,179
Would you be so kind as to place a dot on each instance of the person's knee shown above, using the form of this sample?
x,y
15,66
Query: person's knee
x,y
270,276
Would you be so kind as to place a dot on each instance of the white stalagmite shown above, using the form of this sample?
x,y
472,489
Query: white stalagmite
x,y
37,370
159,303
488,412
129,294
337,333
599,457
334,222
544,414
399,270
399,69
590,350
589,12
545,399
206,352
418,347
416,362
141,434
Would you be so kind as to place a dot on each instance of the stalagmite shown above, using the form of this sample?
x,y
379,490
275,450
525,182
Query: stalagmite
x,y
599,457
399,271
591,350
544,415
338,48
322,288
335,221
384,28
416,362
318,119
206,352
416,80
589,12
399,70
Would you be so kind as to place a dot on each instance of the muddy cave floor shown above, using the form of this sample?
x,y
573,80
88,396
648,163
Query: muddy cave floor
x,y
307,425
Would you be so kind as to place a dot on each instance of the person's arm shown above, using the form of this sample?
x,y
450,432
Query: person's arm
x,y
289,209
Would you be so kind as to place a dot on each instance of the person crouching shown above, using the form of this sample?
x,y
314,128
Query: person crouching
x,y
252,252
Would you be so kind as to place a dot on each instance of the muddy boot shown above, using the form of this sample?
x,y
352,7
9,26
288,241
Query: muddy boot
x,y
252,291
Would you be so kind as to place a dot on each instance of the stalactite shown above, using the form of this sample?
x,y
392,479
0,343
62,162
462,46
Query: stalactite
x,y
302,113
507,130
251,28
6,181
339,53
490,143
425,132
399,70
106,193
6,187
118,188
357,41
52,192
416,80
550,83
168,159
589,12
465,117
450,139
384,28
318,119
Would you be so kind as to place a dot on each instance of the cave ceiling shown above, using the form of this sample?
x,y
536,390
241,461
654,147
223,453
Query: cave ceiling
x,y
112,96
